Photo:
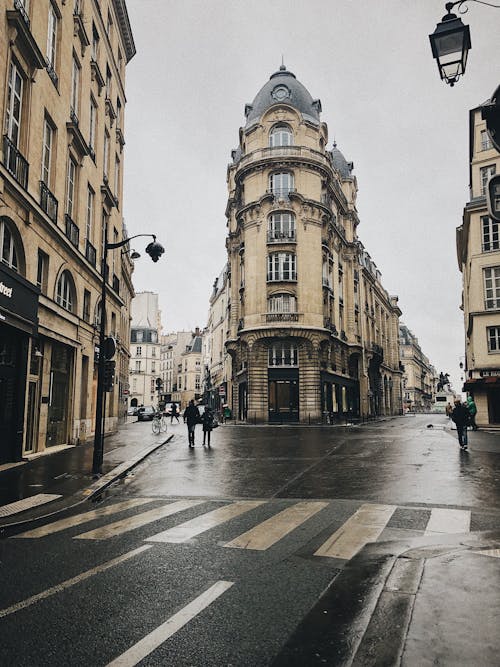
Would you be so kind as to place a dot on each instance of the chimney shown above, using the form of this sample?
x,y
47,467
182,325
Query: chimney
x,y
197,331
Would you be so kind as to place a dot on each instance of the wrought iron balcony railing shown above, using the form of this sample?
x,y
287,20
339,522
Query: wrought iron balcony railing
x,y
52,73
14,162
282,317
72,231
22,10
281,237
90,253
116,283
48,202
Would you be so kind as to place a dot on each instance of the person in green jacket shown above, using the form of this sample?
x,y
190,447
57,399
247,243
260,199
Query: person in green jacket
x,y
471,407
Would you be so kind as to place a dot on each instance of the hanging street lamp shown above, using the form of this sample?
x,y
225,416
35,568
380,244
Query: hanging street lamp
x,y
450,44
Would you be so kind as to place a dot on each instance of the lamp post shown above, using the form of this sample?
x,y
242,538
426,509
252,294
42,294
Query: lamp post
x,y
155,251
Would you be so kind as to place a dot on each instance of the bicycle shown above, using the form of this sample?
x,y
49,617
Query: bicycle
x,y
159,423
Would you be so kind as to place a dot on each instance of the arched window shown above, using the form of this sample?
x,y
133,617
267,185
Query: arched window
x,y
8,252
281,266
281,227
281,184
280,135
283,354
282,303
65,291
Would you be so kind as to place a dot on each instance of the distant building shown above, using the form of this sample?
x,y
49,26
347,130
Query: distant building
x,y
144,349
173,345
190,372
419,376
216,360
311,332
62,101
478,250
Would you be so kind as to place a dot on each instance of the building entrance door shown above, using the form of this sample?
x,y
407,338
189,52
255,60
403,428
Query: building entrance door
x,y
283,400
494,406
59,396
9,358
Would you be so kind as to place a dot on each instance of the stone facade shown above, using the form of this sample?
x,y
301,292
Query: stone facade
x,y
478,250
145,350
311,332
419,376
62,100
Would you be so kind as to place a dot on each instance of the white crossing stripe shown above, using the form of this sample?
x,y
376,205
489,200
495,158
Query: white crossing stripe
x,y
448,521
272,530
150,642
364,526
28,503
84,517
71,582
185,531
494,553
123,526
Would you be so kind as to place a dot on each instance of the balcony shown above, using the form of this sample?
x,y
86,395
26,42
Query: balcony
x,y
281,194
52,74
22,11
326,282
19,20
292,152
90,253
15,163
282,317
110,110
281,237
72,231
328,324
288,276
77,138
96,74
48,202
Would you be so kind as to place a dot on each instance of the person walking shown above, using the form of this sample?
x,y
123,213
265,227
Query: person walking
x,y
449,410
460,416
472,408
207,420
191,418
174,412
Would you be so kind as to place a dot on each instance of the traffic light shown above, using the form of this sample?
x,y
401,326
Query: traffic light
x,y
155,250
493,197
159,384
109,374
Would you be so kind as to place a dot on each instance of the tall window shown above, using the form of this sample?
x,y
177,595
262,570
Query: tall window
x,y
64,291
48,142
106,155
493,339
116,190
485,140
8,254
108,82
71,187
281,183
89,221
491,239
52,37
75,86
486,173
327,271
92,123
118,114
280,135
281,227
14,104
341,283
492,287
86,305
283,354
138,351
42,271
281,266
109,25
282,303
95,43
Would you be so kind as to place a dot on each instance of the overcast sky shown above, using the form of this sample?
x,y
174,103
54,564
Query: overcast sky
x,y
369,61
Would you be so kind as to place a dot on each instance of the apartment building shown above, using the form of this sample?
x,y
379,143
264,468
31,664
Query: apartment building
x,y
62,97
145,350
419,376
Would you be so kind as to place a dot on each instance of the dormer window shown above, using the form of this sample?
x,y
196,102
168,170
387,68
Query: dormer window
x,y
280,135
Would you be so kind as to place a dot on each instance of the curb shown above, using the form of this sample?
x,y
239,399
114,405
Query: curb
x,y
91,491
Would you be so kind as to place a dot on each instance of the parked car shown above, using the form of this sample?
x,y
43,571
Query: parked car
x,y
146,413
132,411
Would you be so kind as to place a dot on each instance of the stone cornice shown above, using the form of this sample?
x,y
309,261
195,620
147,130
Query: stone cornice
x,y
125,28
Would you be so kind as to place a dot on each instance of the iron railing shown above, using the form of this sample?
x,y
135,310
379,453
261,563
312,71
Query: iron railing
x,y
48,202
72,231
281,237
90,253
15,162
22,10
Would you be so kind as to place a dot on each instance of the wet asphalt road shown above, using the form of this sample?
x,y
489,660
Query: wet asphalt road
x,y
94,618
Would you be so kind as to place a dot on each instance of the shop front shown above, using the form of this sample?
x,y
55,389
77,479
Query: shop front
x,y
339,397
485,389
283,395
18,323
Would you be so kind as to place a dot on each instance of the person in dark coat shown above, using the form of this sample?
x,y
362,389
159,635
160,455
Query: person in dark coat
x,y
208,423
191,418
460,416
174,413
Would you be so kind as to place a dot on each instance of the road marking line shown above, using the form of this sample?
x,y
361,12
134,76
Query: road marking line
x,y
185,531
150,642
364,526
448,521
84,517
494,553
123,526
267,533
28,503
58,588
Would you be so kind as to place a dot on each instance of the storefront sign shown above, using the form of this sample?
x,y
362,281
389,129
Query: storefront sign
x,y
490,374
18,297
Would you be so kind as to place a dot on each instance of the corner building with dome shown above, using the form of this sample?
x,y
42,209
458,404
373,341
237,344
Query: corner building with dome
x,y
310,333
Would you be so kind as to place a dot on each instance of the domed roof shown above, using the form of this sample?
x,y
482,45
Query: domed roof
x,y
340,163
283,87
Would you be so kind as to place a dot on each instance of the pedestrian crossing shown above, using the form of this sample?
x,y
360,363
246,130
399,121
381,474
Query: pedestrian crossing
x,y
346,537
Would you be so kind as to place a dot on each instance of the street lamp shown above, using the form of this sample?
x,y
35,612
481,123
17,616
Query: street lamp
x,y
155,250
450,44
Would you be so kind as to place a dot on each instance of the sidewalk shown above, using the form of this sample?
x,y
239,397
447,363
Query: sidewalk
x,y
53,482
432,600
